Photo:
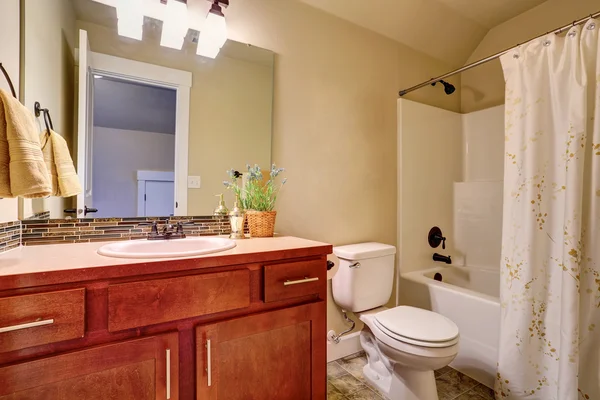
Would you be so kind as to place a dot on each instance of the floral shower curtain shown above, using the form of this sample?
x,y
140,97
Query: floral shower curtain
x,y
550,286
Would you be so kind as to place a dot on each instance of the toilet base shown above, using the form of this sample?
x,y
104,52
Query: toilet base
x,y
392,379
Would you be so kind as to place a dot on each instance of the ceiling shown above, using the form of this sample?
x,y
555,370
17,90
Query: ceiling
x,y
133,106
448,30
490,13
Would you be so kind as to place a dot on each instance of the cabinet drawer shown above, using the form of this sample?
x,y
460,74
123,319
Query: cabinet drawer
x,y
286,281
38,319
136,304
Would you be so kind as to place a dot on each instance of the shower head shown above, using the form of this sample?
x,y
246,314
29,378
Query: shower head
x,y
448,87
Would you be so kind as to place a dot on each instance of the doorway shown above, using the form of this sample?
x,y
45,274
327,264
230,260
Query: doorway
x,y
154,193
133,130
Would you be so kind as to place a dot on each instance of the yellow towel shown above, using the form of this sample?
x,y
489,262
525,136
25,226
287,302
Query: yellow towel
x,y
65,182
22,169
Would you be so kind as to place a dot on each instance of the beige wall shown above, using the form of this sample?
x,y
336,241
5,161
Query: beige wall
x,y
336,87
48,75
234,131
231,104
483,87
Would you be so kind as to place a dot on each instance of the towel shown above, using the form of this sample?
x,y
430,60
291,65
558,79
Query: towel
x,y
65,182
22,168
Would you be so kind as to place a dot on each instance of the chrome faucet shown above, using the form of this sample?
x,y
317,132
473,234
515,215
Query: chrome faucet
x,y
168,231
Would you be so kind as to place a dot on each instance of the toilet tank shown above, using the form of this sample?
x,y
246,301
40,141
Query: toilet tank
x,y
365,276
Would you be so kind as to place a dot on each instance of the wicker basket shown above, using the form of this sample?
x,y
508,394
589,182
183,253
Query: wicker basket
x,y
261,223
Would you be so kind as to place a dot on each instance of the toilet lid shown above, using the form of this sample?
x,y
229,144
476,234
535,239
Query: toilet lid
x,y
418,324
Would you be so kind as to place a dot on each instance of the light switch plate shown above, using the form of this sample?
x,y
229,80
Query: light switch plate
x,y
193,182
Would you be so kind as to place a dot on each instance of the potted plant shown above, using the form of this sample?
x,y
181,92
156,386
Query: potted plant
x,y
258,198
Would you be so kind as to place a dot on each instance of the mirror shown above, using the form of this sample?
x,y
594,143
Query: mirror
x,y
151,129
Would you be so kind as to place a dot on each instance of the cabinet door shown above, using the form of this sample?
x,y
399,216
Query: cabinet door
x,y
138,369
275,355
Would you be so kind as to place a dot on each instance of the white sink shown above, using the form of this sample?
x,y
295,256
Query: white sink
x,y
171,248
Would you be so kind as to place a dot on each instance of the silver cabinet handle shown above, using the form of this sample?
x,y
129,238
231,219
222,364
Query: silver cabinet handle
x,y
305,280
27,325
208,364
168,373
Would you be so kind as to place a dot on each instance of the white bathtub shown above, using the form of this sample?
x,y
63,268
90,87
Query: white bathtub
x,y
469,297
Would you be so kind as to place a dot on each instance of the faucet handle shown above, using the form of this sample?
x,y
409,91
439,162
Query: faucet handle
x,y
154,224
181,224
435,237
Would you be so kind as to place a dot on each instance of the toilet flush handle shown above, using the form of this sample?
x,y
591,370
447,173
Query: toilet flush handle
x,y
355,265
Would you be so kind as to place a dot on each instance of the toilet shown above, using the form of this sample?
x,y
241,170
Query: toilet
x,y
404,345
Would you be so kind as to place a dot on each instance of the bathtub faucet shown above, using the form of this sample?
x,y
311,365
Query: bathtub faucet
x,y
441,258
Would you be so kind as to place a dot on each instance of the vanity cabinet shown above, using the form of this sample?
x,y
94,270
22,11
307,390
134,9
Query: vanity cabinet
x,y
232,327
143,303
141,369
38,319
263,356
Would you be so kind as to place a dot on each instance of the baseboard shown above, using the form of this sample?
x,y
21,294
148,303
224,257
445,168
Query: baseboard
x,y
349,344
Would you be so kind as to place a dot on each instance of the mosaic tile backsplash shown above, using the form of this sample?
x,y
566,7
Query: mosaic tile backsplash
x,y
84,230
10,235
40,215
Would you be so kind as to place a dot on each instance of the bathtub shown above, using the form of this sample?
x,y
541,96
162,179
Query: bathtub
x,y
469,297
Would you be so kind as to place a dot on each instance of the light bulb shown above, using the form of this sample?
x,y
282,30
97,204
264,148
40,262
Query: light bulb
x,y
130,18
213,35
208,51
175,25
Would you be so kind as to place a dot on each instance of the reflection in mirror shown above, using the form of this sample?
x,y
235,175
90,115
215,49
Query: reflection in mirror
x,y
151,129
133,136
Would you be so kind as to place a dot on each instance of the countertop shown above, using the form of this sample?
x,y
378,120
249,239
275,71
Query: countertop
x,y
28,266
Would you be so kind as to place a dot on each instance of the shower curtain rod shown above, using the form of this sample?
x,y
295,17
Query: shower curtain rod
x,y
493,57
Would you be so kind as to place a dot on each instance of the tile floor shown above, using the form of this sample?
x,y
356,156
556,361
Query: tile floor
x,y
345,381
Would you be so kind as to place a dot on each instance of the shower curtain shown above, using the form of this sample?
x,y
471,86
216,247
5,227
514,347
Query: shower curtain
x,y
550,286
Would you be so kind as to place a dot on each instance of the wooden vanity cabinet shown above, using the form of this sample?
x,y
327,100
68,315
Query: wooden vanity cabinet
x,y
140,369
273,355
250,330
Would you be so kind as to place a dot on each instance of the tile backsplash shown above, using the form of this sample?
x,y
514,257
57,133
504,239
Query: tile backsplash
x,y
84,230
40,215
10,235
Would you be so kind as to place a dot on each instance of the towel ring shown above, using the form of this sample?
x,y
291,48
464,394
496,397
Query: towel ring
x,y
48,121
12,88
38,110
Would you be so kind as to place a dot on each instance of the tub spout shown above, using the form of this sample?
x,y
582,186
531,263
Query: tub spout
x,y
441,258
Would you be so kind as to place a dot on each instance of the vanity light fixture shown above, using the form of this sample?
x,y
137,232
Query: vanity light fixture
x,y
175,25
208,51
130,18
214,31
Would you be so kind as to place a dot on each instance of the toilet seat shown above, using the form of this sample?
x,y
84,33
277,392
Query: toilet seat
x,y
417,327
415,342
405,347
